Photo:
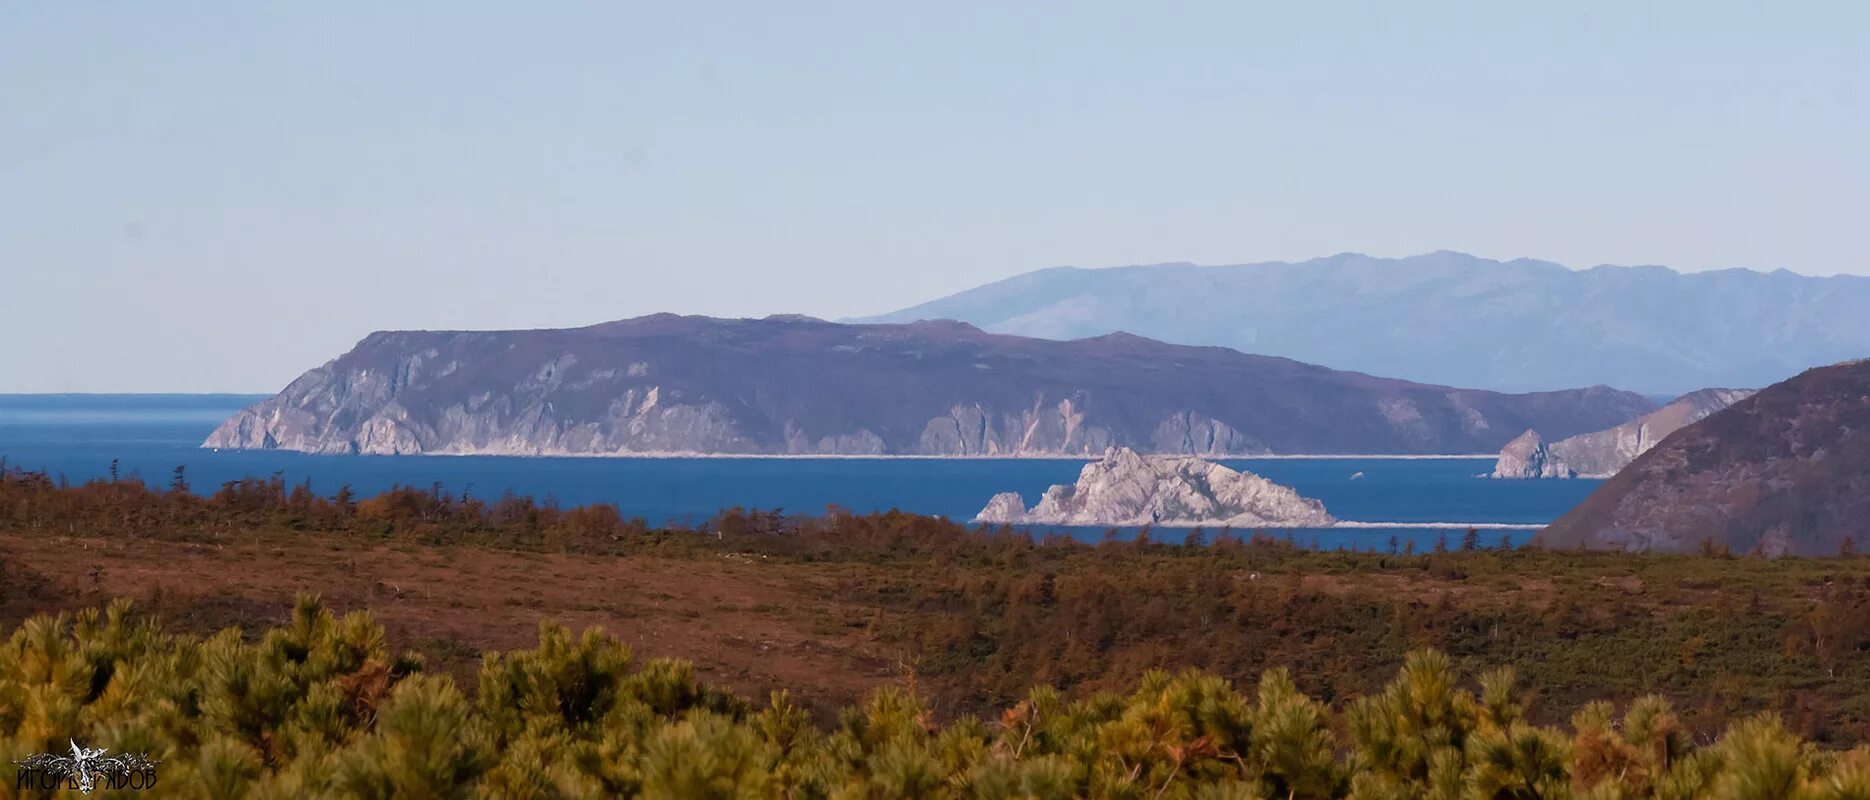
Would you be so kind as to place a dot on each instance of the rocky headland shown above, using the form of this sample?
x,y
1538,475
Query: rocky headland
x,y
1528,456
1600,454
1127,489
1784,472
672,385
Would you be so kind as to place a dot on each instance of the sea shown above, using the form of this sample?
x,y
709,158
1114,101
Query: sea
x,y
1420,500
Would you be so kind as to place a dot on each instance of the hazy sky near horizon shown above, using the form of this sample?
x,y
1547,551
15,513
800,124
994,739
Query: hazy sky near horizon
x,y
218,196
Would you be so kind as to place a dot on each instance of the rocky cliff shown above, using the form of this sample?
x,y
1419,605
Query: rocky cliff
x,y
1601,453
1127,489
789,385
1528,456
1784,472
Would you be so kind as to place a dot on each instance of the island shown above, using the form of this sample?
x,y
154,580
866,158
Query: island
x,y
1125,488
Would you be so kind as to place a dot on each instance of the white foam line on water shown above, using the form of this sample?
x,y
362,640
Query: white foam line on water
x,y
675,455
1517,526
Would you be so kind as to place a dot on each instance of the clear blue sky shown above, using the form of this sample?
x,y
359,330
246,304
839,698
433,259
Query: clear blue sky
x,y
200,196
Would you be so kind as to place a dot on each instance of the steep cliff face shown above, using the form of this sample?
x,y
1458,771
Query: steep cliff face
x,y
789,385
1786,471
1528,456
1601,453
1125,489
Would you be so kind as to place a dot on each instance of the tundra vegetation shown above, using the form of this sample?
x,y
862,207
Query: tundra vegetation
x,y
319,707
1030,666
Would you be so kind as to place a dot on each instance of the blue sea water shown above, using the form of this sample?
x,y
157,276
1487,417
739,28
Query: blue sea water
x,y
77,436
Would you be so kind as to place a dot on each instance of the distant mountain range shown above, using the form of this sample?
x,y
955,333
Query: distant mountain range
x,y
1784,472
1450,318
792,385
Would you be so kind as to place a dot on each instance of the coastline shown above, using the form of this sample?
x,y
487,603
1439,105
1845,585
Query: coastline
x,y
681,455
1338,525
1479,526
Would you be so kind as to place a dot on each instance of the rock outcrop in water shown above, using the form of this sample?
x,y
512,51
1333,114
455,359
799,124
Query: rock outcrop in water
x,y
1127,489
789,385
1784,472
1601,453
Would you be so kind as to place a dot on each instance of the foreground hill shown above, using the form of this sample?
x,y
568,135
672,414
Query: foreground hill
x,y
1786,471
1453,318
789,385
1601,453
831,608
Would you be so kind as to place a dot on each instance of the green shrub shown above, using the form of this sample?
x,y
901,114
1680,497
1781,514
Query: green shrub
x,y
318,708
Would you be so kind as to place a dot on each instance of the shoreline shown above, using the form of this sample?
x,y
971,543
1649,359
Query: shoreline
x,y
1339,525
686,456
1479,526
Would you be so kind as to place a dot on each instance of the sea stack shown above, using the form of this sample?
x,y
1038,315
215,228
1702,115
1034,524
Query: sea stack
x,y
1127,489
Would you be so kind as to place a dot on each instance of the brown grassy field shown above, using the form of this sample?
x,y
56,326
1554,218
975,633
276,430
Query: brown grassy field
x,y
748,626
832,606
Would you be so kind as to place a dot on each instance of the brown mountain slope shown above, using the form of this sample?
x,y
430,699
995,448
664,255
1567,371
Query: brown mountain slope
x,y
1784,472
791,385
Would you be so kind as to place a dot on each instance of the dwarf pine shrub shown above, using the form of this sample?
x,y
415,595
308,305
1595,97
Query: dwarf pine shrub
x,y
320,708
